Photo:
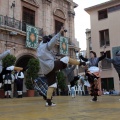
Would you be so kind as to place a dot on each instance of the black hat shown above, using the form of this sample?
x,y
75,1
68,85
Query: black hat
x,y
47,38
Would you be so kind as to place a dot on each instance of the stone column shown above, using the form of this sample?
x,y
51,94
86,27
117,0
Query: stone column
x,y
47,19
71,23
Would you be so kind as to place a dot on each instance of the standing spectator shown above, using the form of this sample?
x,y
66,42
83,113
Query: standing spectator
x,y
19,76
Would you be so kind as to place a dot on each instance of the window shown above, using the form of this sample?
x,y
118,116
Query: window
x,y
58,26
104,38
107,84
28,16
102,14
104,63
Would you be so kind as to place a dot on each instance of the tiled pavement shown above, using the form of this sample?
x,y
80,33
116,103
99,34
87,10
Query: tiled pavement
x,y
79,108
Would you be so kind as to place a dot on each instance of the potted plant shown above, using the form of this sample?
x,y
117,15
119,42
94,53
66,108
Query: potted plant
x,y
7,61
61,82
31,74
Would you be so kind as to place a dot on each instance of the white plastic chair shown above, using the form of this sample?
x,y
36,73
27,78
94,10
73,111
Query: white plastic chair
x,y
76,90
69,90
80,89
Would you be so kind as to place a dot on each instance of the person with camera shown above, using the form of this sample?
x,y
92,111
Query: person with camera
x,y
48,64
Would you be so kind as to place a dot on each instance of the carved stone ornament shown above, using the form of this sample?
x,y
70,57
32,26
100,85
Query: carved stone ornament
x,y
59,13
32,2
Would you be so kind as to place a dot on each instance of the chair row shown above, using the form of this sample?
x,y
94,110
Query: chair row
x,y
79,89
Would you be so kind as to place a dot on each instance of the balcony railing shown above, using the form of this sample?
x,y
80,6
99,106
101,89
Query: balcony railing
x,y
11,22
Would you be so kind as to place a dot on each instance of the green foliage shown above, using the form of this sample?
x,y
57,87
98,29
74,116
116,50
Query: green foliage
x,y
61,80
9,60
32,72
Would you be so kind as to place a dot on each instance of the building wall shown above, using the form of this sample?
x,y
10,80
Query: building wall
x,y
112,23
44,18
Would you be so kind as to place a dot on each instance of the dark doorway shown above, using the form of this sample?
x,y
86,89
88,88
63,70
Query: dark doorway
x,y
58,26
23,61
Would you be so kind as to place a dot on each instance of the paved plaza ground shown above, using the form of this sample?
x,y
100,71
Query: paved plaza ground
x,y
79,108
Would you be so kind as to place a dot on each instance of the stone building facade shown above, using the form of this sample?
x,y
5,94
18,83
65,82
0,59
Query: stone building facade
x,y
47,15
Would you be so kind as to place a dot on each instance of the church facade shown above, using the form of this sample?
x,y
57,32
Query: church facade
x,y
47,16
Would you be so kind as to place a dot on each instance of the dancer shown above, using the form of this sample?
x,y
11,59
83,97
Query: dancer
x,y
8,79
93,73
116,62
69,73
3,55
48,64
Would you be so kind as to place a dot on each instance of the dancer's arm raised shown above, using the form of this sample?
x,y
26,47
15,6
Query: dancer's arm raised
x,y
84,59
109,60
104,54
4,54
53,41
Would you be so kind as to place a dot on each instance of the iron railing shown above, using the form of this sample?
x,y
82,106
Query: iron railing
x,y
11,22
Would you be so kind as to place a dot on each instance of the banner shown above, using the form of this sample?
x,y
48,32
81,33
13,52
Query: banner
x,y
63,46
31,37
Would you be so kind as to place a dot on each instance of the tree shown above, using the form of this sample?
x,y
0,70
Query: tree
x,y
32,73
9,60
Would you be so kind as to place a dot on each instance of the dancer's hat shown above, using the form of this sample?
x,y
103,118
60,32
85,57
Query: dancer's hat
x,y
18,68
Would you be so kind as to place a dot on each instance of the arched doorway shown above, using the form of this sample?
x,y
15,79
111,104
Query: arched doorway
x,y
23,60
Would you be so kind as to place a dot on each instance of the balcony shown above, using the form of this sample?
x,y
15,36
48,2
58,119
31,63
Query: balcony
x,y
10,22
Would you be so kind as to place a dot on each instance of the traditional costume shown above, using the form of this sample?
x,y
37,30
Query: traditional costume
x,y
41,86
48,64
19,76
93,73
8,79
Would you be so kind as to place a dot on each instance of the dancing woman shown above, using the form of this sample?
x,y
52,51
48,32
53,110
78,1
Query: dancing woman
x,y
48,64
93,72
